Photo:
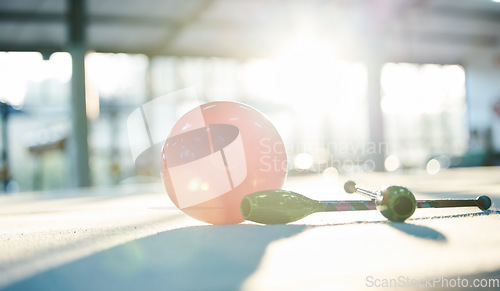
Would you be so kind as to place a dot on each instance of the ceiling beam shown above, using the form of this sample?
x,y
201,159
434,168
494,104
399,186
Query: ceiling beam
x,y
30,17
474,14
188,20
407,37
487,40
24,17
51,17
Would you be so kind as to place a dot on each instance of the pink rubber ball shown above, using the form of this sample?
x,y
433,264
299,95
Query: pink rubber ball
x,y
215,155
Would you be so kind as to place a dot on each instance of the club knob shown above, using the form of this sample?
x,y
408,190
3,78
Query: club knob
x,y
483,202
396,203
350,187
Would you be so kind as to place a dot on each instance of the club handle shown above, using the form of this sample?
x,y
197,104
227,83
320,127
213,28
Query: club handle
x,y
483,202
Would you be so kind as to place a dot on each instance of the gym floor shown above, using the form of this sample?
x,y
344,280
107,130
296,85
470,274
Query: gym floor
x,y
132,237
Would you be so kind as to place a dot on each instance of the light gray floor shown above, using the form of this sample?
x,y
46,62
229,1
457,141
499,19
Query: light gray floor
x,y
131,237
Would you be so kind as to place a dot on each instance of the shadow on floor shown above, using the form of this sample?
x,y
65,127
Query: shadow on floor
x,y
193,258
472,214
418,231
428,233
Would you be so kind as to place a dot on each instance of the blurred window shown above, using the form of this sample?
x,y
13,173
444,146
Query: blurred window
x,y
424,111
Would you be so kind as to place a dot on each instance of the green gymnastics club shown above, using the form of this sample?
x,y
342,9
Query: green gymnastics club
x,y
282,206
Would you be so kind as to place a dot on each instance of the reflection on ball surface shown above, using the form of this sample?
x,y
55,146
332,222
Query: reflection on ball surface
x,y
215,155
